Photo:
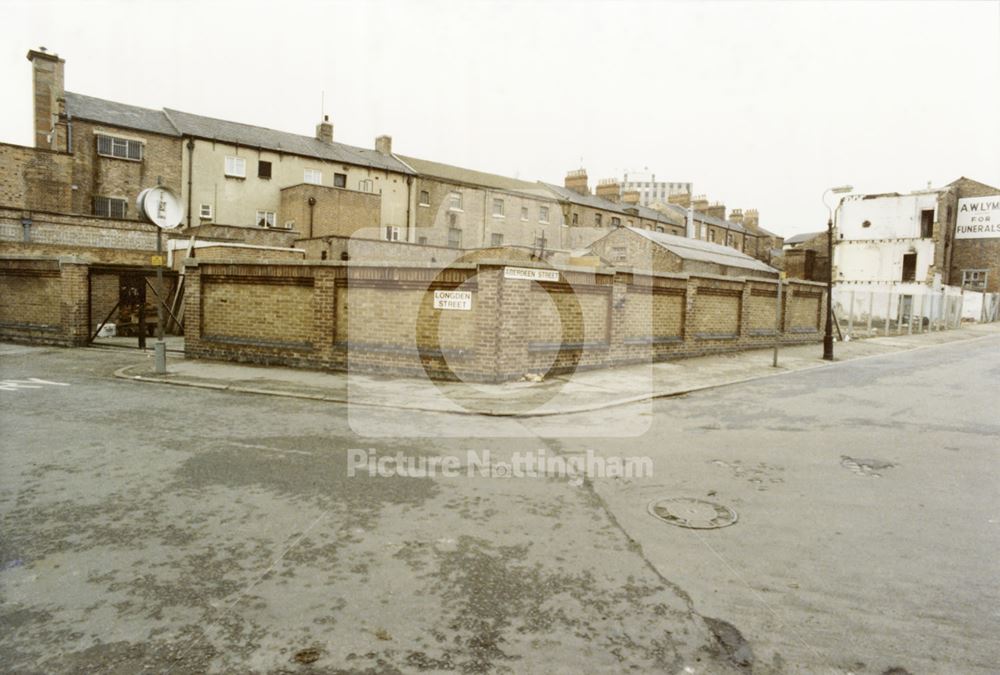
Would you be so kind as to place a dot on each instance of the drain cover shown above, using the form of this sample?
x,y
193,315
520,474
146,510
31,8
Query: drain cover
x,y
694,513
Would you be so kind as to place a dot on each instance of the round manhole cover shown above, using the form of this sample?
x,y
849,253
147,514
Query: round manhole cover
x,y
694,513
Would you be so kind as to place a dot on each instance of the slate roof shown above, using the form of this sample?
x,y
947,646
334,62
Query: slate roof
x,y
700,216
251,136
458,174
805,236
703,251
592,201
118,114
177,123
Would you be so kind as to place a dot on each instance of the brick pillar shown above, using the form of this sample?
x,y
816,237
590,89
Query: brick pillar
x,y
488,321
690,302
512,339
324,329
616,338
744,325
192,308
74,309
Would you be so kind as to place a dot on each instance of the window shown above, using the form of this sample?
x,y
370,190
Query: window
x,y
616,221
927,223
543,214
205,212
454,237
619,253
576,218
524,213
340,180
711,236
422,241
974,278
263,169
425,198
498,206
496,239
909,267
391,233
455,201
265,218
110,207
312,176
730,240
597,219
122,148
659,228
236,167
366,185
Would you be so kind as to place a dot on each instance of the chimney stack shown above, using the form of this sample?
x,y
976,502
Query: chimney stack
x,y
736,216
751,218
680,198
608,188
383,144
577,182
716,210
324,130
631,197
699,203
48,89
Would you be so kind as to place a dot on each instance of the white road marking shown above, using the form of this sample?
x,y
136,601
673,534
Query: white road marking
x,y
30,383
268,448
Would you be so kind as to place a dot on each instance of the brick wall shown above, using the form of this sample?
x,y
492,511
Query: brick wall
x,y
337,211
97,239
35,179
381,318
44,301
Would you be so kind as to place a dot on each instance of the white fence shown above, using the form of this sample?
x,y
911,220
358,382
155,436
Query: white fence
x,y
870,310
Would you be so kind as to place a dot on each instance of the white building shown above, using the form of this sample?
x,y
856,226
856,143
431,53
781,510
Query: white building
x,y
651,190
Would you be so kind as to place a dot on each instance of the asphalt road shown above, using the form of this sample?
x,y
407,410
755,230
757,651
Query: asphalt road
x,y
149,528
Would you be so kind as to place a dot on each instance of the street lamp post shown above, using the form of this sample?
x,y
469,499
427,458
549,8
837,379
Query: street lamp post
x,y
828,334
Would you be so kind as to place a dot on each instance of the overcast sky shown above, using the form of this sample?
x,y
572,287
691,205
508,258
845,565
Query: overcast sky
x,y
758,104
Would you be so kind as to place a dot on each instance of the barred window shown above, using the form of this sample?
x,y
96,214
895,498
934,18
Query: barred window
x,y
122,148
110,207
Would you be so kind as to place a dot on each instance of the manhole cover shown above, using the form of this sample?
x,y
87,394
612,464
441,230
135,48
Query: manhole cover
x,y
694,513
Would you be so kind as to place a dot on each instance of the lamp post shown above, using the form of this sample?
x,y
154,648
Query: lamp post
x,y
828,334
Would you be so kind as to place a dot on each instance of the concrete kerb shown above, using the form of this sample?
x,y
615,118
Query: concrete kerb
x,y
127,373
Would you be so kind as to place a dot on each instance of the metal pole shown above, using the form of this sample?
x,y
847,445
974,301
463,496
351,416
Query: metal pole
x,y
871,308
777,320
850,317
160,349
828,334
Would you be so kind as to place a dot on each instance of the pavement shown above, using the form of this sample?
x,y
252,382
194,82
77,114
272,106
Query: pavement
x,y
583,391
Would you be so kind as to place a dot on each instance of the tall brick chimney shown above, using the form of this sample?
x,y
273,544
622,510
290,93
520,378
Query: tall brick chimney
x,y
577,181
48,86
681,199
324,130
383,144
608,188
716,210
631,197
751,218
699,203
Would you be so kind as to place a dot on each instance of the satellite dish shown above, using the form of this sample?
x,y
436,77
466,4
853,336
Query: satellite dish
x,y
161,207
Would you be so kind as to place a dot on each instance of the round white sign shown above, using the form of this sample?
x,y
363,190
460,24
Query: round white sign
x,y
161,207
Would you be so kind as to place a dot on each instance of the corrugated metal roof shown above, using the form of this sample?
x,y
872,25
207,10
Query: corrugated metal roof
x,y
200,126
118,114
458,174
703,251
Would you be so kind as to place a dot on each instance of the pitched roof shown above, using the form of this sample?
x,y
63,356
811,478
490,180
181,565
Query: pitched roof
x,y
592,201
458,174
176,123
805,236
200,126
681,212
118,114
703,251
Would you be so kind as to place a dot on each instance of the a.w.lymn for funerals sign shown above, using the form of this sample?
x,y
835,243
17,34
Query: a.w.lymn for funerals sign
x,y
978,218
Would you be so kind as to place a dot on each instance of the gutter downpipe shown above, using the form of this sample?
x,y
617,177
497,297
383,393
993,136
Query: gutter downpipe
x,y
190,147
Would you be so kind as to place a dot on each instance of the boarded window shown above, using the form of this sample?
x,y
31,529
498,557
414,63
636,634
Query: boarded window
x,y
927,223
909,267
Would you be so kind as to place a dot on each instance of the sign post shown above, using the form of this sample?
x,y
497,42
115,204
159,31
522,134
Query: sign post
x,y
163,209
